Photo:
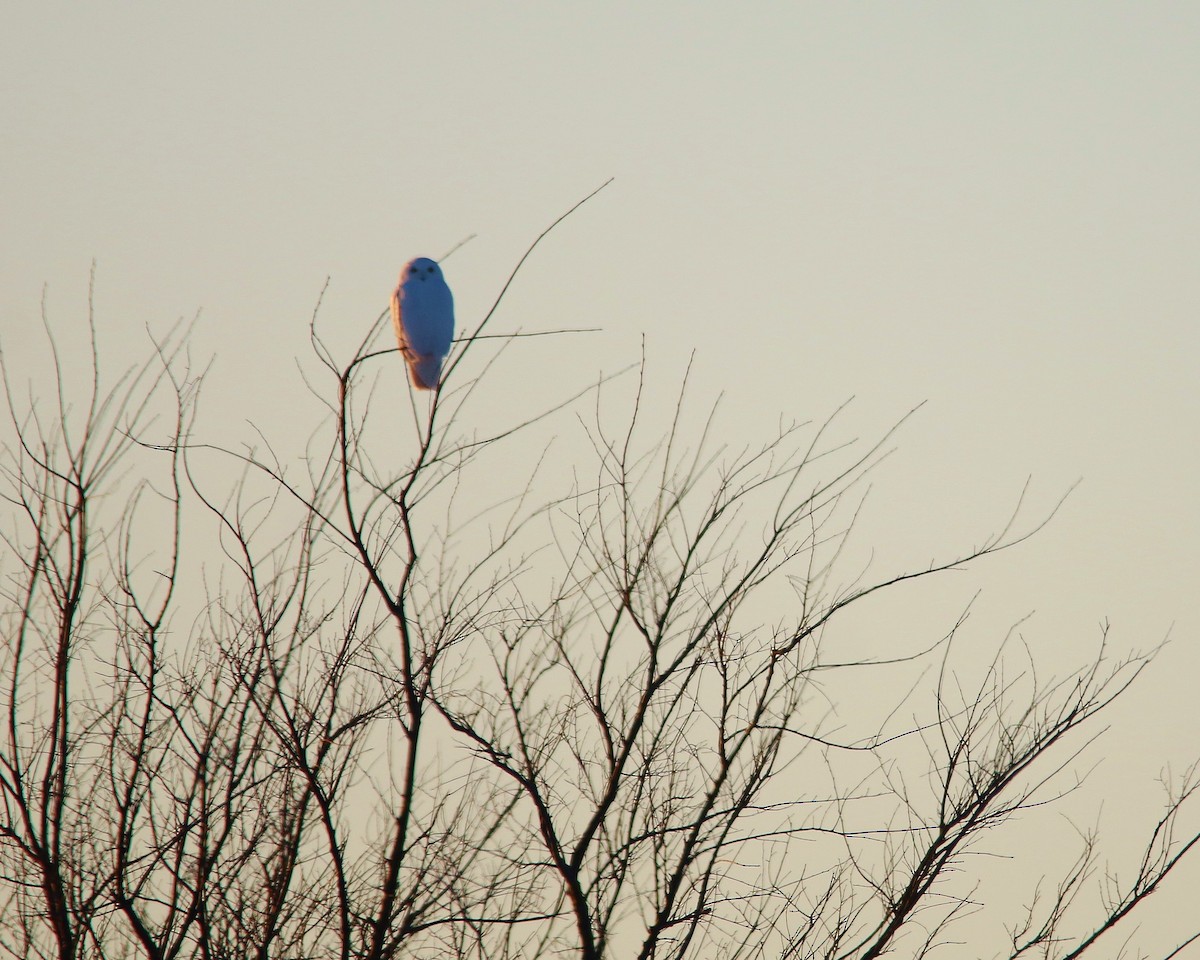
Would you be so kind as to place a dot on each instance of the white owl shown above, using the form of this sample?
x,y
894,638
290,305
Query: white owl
x,y
423,314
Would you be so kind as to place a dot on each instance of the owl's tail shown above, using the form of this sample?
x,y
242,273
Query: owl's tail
x,y
426,371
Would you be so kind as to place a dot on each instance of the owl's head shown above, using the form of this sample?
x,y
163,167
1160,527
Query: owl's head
x,y
421,269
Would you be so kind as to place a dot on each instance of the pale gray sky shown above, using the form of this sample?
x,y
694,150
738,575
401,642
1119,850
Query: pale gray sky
x,y
991,207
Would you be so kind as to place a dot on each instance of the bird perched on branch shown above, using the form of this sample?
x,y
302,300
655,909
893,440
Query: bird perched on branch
x,y
423,314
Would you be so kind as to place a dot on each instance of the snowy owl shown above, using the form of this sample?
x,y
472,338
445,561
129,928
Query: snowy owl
x,y
423,314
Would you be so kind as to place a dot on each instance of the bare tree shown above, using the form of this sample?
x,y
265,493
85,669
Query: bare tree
x,y
383,705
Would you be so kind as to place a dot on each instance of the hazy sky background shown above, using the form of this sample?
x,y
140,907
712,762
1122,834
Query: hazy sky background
x,y
994,208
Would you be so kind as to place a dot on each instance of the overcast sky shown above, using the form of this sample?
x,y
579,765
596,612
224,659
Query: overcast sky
x,y
994,208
